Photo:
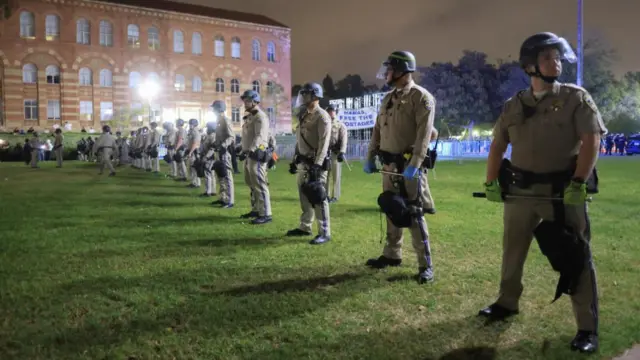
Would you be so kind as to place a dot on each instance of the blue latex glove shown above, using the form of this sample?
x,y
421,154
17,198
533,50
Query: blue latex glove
x,y
369,166
411,172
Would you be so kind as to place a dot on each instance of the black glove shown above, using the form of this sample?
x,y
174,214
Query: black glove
x,y
341,157
293,168
314,172
242,156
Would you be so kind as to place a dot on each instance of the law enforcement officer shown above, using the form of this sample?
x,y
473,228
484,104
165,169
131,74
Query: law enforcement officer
x,y
152,148
224,143
192,153
255,133
58,147
209,157
338,149
312,148
181,144
135,146
35,144
401,139
170,143
105,145
428,205
554,130
144,146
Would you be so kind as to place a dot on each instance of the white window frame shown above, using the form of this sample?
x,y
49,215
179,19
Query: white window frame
x,y
271,52
235,86
27,25
30,74
218,46
178,41
85,77
52,27
32,106
255,50
220,85
86,110
235,48
106,33
235,114
53,109
135,79
196,43
53,73
106,110
83,31
153,38
106,78
255,85
180,83
133,36
196,84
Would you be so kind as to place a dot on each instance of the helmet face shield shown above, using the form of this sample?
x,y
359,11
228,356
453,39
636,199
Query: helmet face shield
x,y
565,50
304,98
384,69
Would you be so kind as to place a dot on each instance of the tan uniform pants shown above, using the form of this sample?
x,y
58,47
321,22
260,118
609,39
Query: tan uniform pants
x,y
255,176
106,160
520,219
182,167
336,175
226,183
320,212
34,158
425,196
173,169
193,174
209,178
419,230
59,155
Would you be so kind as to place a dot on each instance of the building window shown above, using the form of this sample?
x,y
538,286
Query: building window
x,y
153,78
272,117
134,79
86,110
52,27
255,50
218,46
53,110
105,78
133,36
270,88
106,111
178,41
196,44
27,25
154,38
85,77
53,74
31,109
235,114
180,83
235,48
271,52
256,86
29,74
106,33
83,32
219,85
196,84
235,86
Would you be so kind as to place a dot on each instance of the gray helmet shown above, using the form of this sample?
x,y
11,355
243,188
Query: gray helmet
x,y
219,106
180,122
312,88
167,125
193,122
251,94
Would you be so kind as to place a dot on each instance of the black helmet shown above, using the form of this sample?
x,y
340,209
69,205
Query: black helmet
x,y
219,106
251,94
331,108
312,88
153,124
179,122
400,61
534,44
193,122
106,129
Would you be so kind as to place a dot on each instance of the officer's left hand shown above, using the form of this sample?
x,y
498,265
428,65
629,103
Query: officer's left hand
x,y
410,172
575,193
340,157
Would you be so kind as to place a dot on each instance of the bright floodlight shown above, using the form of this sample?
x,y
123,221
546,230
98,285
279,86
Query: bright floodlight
x,y
149,89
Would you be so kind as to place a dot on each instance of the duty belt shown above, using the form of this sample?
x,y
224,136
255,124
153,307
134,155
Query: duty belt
x,y
523,179
388,158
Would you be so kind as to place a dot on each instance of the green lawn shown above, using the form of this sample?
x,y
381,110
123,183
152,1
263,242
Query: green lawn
x,y
139,267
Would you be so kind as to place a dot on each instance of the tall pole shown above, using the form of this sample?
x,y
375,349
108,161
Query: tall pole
x,y
580,48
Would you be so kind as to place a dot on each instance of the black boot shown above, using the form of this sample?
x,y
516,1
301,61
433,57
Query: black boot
x,y
585,342
250,214
425,275
320,239
261,220
298,232
497,312
382,262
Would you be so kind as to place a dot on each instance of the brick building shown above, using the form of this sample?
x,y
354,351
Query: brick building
x,y
83,62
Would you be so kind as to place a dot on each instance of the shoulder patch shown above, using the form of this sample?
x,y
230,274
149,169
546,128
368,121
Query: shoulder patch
x,y
589,101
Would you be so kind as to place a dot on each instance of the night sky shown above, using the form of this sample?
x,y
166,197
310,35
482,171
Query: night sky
x,y
353,36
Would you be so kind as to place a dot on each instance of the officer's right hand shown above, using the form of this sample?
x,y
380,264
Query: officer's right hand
x,y
493,191
369,166
293,168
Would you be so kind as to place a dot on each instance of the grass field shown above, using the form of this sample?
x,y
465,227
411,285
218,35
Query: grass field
x,y
139,267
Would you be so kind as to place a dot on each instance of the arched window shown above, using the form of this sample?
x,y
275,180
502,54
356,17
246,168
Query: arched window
x,y
178,41
29,74
271,52
83,32
106,33
256,86
52,27
235,86
180,83
53,74
255,50
219,85
196,44
134,79
218,46
106,78
153,40
27,25
133,36
196,84
235,48
84,77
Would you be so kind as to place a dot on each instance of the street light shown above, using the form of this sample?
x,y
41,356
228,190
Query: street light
x,y
148,90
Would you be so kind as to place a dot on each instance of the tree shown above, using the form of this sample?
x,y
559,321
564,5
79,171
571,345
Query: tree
x,y
329,87
350,86
124,118
277,96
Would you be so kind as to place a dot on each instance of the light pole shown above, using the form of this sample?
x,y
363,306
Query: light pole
x,y
579,45
148,90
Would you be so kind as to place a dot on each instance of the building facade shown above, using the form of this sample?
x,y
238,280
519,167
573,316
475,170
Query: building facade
x,y
89,62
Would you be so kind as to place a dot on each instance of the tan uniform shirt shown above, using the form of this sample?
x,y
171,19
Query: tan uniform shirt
x,y
193,139
224,132
338,143
154,137
272,141
313,134
548,141
170,138
404,123
105,140
181,135
35,143
58,141
255,131
209,145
